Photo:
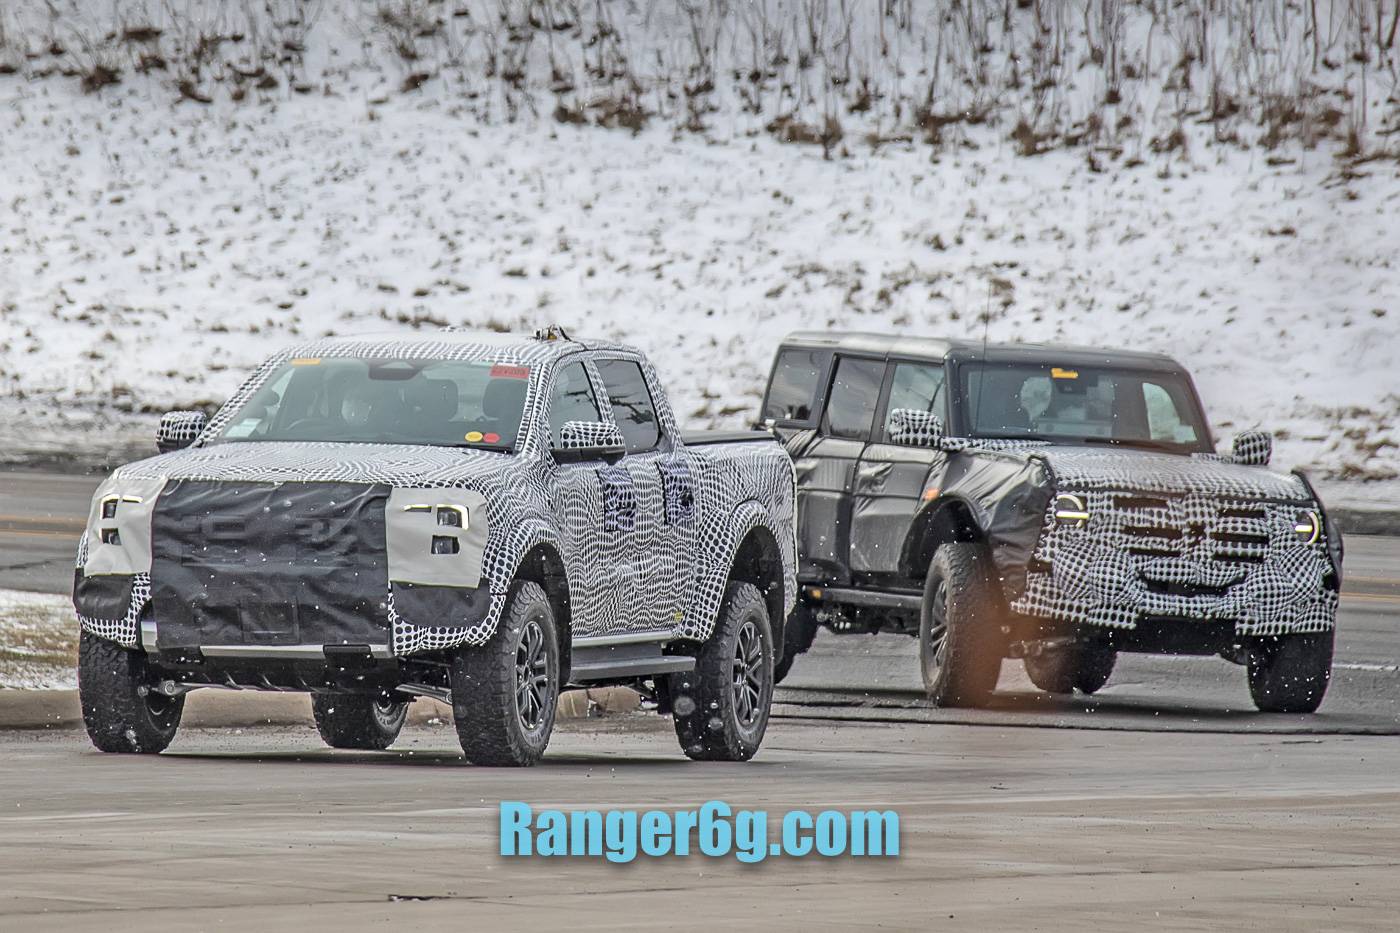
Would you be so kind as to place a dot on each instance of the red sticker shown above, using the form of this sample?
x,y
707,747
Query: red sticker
x,y
492,438
502,371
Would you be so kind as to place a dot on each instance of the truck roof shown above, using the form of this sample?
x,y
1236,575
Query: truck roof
x,y
457,343
939,348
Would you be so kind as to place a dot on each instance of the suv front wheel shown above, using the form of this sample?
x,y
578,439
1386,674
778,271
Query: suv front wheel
x,y
1290,673
959,643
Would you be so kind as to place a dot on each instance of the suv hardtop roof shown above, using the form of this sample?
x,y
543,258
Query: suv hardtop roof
x,y
940,348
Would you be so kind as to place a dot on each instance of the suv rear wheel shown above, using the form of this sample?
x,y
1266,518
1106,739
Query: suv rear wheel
x,y
505,693
351,720
721,708
121,710
959,644
1290,673
798,635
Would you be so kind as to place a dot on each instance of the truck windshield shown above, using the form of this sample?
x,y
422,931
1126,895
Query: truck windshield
x,y
1083,405
446,403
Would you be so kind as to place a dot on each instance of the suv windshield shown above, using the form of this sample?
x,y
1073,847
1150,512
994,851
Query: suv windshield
x,y
446,403
1098,405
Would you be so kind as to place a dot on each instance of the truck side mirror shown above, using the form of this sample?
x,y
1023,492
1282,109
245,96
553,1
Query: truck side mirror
x,y
1253,448
910,427
589,440
179,429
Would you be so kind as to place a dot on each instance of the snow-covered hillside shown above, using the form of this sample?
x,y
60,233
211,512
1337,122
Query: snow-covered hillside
x,y
153,245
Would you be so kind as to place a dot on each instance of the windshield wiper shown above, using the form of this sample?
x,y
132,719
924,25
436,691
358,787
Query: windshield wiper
x,y
1136,442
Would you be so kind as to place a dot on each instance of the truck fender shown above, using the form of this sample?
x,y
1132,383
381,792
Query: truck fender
x,y
713,577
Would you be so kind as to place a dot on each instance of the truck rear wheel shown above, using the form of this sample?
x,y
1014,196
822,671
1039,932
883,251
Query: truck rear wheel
x,y
721,708
1064,668
121,711
959,644
1290,673
798,634
505,693
351,720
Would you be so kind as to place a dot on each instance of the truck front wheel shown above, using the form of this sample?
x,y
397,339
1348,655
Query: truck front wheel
x,y
1290,673
505,693
121,710
349,720
721,708
959,645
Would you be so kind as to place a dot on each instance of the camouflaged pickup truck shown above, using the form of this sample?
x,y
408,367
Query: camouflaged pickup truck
x,y
1050,504
482,519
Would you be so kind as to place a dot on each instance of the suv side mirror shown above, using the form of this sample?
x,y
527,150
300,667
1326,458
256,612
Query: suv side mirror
x,y
589,440
1253,448
910,427
179,429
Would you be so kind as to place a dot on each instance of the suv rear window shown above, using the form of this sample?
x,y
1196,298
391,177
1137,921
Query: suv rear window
x,y
854,392
792,393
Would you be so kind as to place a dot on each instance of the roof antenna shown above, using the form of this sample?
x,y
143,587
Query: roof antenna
x,y
982,369
553,332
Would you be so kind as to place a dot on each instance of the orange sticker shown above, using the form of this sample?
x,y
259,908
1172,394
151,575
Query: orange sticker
x,y
1058,373
306,361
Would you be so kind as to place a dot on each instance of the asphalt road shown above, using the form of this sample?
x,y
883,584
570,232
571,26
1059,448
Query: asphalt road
x,y
1001,829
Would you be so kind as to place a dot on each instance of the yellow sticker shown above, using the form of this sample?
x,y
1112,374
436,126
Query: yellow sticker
x,y
474,436
1058,373
306,361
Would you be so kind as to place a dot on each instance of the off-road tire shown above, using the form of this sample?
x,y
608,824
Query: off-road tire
x,y
493,683
960,653
352,720
713,722
111,681
798,634
1062,670
1290,673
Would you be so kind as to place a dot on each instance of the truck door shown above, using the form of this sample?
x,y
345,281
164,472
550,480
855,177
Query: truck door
x,y
826,469
657,568
595,543
890,478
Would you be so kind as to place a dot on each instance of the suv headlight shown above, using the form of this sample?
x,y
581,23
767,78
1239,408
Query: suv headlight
x,y
1070,510
1308,526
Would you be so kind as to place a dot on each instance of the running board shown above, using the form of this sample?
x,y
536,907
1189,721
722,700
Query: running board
x,y
873,598
593,663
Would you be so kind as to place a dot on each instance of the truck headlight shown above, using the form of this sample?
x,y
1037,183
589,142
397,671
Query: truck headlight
x,y
1070,510
1308,526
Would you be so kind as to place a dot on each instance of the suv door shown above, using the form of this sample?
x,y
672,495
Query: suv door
x,y
595,542
890,478
826,469
658,565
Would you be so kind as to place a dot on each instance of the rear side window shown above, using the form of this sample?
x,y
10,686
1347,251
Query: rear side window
x,y
792,395
854,392
571,399
631,403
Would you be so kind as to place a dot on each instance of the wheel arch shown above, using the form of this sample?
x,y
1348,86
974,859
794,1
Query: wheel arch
x,y
759,561
944,521
543,564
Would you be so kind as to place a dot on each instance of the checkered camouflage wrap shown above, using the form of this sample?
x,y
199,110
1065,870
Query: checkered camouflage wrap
x,y
647,543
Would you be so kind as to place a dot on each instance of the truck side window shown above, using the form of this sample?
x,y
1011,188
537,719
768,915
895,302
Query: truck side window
x,y
571,399
631,403
854,392
792,395
917,386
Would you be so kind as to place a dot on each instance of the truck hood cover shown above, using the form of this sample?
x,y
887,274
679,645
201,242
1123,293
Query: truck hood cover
x,y
398,465
1122,468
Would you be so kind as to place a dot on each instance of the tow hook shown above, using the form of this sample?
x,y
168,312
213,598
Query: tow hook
x,y
166,688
